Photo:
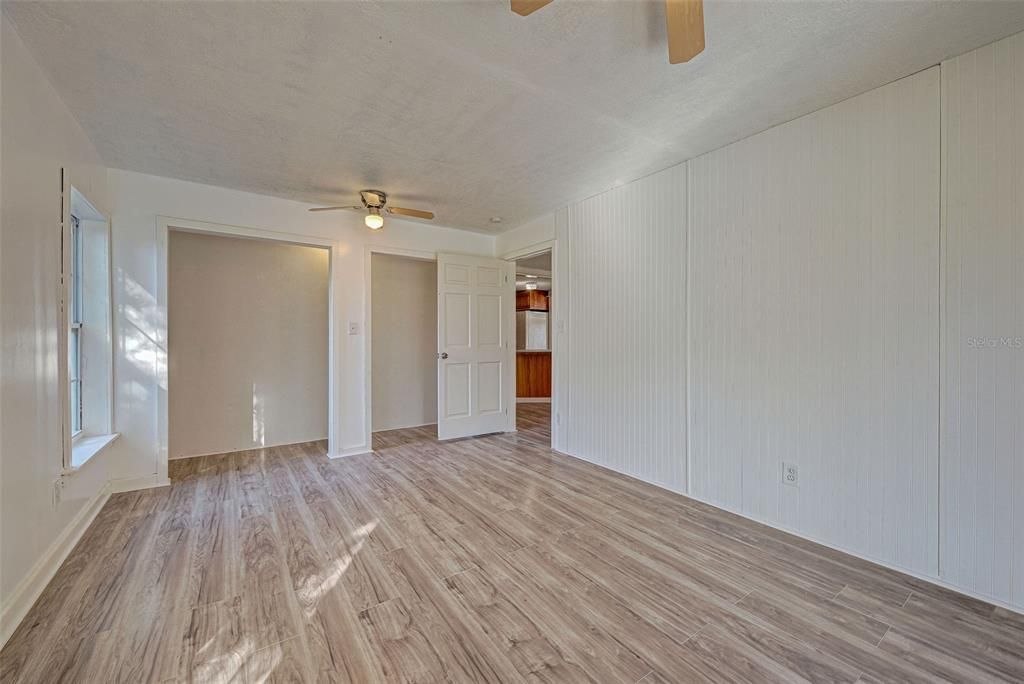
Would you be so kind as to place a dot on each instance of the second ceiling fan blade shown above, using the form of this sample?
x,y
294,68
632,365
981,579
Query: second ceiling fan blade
x,y
415,213
684,20
524,7
332,208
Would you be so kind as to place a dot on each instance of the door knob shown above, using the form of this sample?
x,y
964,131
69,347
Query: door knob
x,y
443,355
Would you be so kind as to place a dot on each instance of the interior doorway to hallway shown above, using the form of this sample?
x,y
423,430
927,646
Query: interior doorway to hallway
x,y
534,334
444,366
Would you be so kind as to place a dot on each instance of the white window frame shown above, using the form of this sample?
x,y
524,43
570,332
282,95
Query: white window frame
x,y
75,329
85,330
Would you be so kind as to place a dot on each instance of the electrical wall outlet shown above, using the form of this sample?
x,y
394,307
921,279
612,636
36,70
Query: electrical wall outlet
x,y
790,474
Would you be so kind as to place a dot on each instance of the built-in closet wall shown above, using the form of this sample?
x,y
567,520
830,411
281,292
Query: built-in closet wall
x,y
247,345
982,456
855,299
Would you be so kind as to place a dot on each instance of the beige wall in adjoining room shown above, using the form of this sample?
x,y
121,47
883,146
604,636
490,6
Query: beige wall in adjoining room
x,y
248,330
403,298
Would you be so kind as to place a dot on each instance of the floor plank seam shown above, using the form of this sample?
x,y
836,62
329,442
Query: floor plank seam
x,y
909,596
692,637
649,673
444,579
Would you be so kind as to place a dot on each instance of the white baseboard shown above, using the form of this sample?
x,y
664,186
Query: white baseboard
x,y
930,579
533,400
910,573
405,427
351,451
33,584
131,484
236,451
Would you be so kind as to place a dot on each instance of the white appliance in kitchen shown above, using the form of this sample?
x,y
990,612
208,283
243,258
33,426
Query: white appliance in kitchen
x,y
532,330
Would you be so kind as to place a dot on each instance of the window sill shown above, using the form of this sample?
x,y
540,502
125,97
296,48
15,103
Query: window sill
x,y
85,448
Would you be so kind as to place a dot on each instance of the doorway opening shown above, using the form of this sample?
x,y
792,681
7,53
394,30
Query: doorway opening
x,y
403,343
534,316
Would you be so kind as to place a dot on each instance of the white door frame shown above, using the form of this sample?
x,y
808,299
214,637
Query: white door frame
x,y
557,331
370,250
166,224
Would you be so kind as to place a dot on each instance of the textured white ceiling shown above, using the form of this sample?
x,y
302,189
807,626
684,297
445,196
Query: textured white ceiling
x,y
463,108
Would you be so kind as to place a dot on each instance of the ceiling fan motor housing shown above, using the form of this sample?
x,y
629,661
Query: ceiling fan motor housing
x,y
373,199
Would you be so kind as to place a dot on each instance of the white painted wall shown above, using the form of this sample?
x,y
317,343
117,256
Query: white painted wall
x,y
622,364
983,326
39,136
404,341
814,250
813,253
140,323
247,343
531,233
819,292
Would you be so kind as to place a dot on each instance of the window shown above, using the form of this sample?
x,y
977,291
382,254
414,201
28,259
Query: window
x,y
75,328
87,332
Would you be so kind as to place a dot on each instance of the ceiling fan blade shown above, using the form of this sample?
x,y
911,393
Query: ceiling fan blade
x,y
416,213
332,208
524,7
684,20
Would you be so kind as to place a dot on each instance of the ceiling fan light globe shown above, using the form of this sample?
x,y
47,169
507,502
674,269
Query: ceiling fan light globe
x,y
374,221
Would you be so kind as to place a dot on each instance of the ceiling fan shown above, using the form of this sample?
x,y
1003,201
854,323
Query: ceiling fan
x,y
684,20
374,202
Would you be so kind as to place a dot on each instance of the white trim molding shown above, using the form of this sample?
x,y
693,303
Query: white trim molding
x,y
530,250
801,535
33,584
352,451
132,484
557,334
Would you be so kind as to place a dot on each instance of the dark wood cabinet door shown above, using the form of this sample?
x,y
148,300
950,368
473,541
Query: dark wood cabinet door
x,y
531,300
533,374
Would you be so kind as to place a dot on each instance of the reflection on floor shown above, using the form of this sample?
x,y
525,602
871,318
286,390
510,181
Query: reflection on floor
x,y
486,559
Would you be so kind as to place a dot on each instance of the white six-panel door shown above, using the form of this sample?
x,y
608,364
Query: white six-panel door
x,y
476,360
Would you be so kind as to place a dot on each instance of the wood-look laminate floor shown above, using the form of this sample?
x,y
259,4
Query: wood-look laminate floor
x,y
488,559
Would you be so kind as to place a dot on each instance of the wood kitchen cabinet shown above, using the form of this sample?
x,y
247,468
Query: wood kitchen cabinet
x,y
531,300
533,374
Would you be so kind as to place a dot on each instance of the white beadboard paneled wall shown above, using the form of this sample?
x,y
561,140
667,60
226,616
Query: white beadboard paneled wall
x,y
852,303
623,359
814,250
982,543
